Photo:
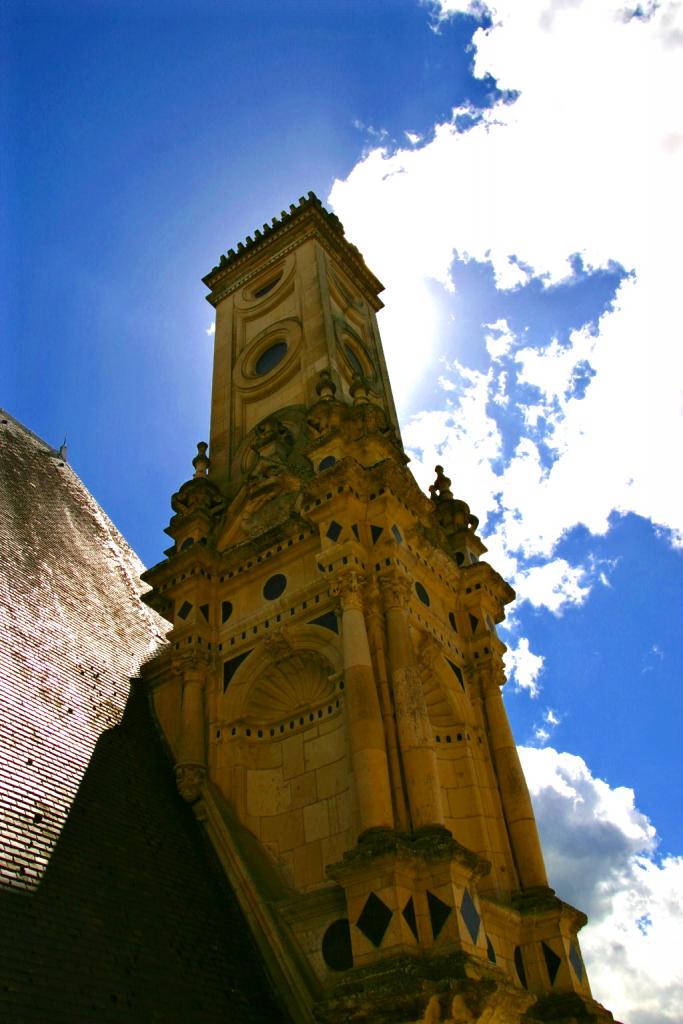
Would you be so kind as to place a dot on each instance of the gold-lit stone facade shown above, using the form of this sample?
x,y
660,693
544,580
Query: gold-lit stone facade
x,y
331,692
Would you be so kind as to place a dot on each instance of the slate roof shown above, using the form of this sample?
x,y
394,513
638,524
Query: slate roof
x,y
111,907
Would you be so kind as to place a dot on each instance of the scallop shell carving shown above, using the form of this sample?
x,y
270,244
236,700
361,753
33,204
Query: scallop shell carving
x,y
441,711
296,684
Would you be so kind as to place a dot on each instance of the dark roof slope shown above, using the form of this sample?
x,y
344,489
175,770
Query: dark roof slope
x,y
73,630
111,909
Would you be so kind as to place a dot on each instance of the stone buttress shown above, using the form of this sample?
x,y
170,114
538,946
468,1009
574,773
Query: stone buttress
x,y
331,692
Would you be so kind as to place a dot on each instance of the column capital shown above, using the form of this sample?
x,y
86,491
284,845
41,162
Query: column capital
x,y
396,589
192,665
348,586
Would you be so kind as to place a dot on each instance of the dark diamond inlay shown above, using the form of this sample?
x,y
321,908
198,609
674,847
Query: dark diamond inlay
x,y
327,462
490,951
438,913
519,965
337,946
474,622
376,532
226,611
355,532
204,609
576,961
333,530
374,919
397,534
409,916
552,962
451,619
470,915
422,594
185,610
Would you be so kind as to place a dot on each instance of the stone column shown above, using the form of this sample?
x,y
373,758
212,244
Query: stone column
x,y
519,815
190,770
414,728
366,732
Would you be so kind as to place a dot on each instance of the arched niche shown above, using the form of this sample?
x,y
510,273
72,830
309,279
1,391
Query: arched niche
x,y
288,673
283,762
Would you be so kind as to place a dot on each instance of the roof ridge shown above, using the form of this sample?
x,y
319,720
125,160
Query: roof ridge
x,y
6,416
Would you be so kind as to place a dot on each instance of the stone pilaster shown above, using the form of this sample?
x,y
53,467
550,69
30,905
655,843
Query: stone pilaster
x,y
414,729
378,648
517,809
366,731
190,767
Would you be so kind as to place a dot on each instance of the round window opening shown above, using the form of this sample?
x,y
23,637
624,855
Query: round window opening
x,y
269,359
422,594
275,586
337,946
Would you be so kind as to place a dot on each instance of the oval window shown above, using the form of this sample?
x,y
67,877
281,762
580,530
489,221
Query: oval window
x,y
267,287
269,359
275,586
422,594
354,360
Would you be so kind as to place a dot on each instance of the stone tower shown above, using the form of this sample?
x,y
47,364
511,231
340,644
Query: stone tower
x,y
331,692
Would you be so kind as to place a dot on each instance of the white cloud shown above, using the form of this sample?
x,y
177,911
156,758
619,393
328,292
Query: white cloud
x,y
552,585
584,161
600,855
211,329
523,667
543,732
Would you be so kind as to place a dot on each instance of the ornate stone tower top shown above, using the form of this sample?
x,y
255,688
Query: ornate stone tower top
x,y
293,302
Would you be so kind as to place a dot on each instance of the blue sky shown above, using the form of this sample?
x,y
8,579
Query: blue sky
x,y
513,176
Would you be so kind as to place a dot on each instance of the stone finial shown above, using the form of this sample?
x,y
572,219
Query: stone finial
x,y
326,387
441,488
359,390
201,460
62,451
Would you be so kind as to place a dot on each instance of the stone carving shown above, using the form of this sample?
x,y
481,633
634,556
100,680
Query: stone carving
x,y
359,390
197,495
453,514
191,663
441,488
278,644
396,590
189,780
348,587
326,387
428,651
296,682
